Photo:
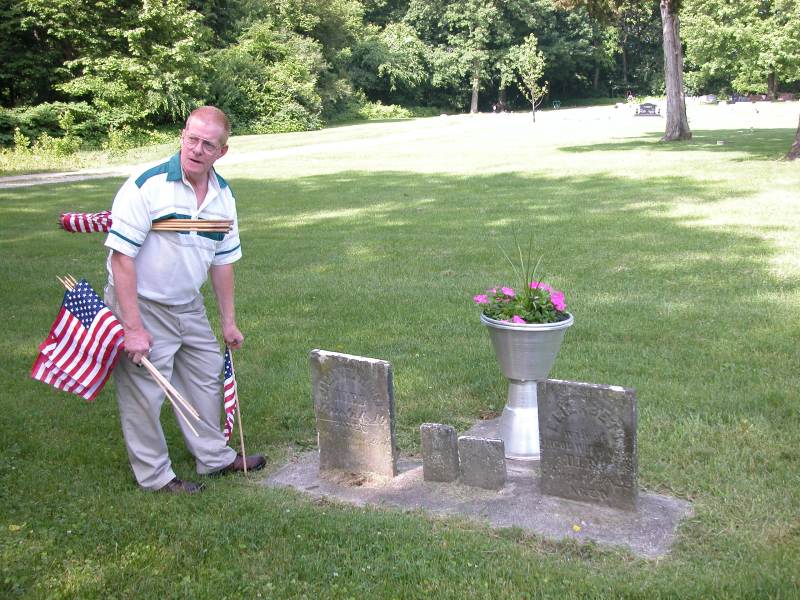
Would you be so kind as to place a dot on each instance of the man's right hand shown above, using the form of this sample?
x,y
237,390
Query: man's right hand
x,y
137,344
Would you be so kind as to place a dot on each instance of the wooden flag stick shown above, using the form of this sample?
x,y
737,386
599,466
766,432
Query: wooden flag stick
x,y
167,387
175,405
239,412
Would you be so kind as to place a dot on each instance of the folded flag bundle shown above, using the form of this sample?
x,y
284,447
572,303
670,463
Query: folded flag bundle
x,y
100,222
83,345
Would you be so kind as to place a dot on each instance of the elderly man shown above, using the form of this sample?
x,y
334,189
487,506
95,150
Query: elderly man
x,y
154,288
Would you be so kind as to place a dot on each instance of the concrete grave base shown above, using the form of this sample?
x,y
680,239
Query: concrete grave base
x,y
647,532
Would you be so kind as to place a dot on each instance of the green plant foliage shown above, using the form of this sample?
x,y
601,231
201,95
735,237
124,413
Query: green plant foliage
x,y
267,82
743,46
155,73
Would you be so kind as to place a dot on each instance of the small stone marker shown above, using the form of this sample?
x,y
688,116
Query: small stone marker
x,y
439,452
483,462
354,405
588,442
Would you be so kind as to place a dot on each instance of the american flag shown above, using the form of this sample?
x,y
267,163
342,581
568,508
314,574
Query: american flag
x,y
83,345
230,397
99,222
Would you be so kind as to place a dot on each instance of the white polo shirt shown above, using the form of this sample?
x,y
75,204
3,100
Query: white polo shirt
x,y
171,266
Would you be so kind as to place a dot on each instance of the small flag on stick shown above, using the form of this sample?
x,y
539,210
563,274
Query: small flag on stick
x,y
83,345
230,396
99,222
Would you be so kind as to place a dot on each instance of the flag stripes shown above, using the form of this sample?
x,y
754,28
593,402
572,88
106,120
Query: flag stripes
x,y
99,222
230,395
83,345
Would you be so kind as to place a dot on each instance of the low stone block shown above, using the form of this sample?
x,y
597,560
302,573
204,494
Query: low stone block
x,y
439,452
483,462
588,442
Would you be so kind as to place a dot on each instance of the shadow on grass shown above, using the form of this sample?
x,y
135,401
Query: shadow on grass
x,y
757,144
384,265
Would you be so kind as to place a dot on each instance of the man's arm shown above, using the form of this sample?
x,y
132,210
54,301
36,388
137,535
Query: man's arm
x,y
137,339
222,282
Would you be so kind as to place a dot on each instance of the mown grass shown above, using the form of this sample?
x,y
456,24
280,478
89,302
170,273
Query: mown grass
x,y
679,262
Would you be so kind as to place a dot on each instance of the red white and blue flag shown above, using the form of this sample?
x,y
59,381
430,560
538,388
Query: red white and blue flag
x,y
83,345
230,396
99,222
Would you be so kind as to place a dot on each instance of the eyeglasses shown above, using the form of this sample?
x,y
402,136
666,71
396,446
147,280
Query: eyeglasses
x,y
206,146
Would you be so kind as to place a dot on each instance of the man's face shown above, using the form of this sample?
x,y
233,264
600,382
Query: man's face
x,y
201,146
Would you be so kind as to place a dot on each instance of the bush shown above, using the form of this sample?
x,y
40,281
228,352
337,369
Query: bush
x,y
75,120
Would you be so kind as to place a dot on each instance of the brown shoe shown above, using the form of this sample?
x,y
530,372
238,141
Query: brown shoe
x,y
254,463
178,486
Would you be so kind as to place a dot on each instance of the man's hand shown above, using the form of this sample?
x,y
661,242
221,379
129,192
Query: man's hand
x,y
137,344
232,337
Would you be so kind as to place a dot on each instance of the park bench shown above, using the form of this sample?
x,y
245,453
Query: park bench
x,y
648,110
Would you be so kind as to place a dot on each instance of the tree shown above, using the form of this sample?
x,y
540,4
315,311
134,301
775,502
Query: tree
x,y
749,46
151,71
677,126
794,151
267,81
526,67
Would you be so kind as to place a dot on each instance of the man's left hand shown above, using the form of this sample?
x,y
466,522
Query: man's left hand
x,y
232,337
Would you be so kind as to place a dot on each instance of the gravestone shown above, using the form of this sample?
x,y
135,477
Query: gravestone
x,y
483,462
354,406
439,452
588,442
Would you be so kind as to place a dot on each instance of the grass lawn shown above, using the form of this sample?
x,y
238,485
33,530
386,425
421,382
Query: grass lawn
x,y
680,263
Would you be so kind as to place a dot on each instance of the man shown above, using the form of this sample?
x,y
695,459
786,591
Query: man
x,y
154,288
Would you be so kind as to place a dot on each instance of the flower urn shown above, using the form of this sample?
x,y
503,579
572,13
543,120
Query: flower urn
x,y
526,353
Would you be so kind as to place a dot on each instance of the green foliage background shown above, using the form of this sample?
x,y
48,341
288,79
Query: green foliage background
x,y
290,65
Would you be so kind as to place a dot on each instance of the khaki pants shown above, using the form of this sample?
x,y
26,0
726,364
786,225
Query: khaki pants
x,y
186,352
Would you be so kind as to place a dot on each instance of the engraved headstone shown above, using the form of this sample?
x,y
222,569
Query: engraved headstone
x,y
588,442
483,462
354,406
439,452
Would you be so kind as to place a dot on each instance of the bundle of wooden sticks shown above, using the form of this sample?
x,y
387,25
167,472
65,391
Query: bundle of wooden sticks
x,y
199,225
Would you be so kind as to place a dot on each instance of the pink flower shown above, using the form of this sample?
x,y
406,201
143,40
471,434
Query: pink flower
x,y
508,291
480,299
558,300
542,285
517,319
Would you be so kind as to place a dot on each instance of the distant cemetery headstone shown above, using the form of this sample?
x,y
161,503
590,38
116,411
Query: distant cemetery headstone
x,y
354,406
439,452
588,442
648,110
483,462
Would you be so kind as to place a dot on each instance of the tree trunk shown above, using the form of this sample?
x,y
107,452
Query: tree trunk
x,y
794,152
677,123
624,65
596,78
771,86
476,84
533,106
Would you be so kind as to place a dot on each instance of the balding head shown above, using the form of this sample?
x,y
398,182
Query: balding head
x,y
211,114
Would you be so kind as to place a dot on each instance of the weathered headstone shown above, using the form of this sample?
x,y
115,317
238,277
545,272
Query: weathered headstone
x,y
354,405
483,462
439,452
588,442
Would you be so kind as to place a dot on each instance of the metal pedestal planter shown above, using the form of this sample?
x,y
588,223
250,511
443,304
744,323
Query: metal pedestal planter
x,y
526,354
